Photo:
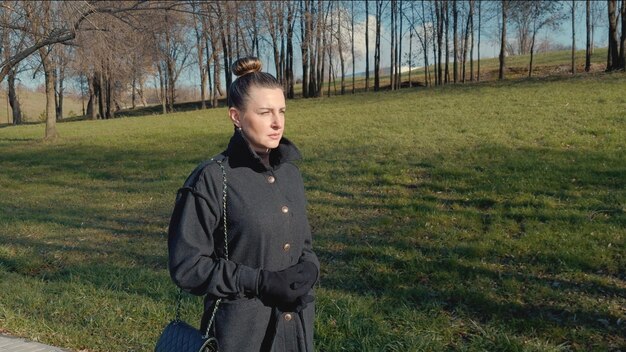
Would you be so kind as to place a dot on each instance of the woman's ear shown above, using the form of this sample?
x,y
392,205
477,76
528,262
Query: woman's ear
x,y
235,117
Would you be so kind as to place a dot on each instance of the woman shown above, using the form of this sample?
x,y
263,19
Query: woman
x,y
266,285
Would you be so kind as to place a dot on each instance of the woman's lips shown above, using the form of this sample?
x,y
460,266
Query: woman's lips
x,y
275,136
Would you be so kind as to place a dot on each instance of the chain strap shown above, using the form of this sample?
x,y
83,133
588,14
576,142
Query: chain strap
x,y
180,291
224,191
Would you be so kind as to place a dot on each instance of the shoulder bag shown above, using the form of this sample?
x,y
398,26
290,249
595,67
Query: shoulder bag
x,y
178,336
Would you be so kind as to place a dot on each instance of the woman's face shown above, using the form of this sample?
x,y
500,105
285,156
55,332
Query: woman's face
x,y
262,119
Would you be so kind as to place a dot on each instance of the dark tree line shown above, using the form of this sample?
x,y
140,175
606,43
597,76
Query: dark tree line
x,y
119,48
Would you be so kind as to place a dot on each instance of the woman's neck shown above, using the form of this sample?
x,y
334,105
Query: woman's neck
x,y
265,156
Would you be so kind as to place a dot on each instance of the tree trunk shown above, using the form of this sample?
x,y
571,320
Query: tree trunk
x,y
425,47
472,6
171,90
48,69
466,41
289,69
162,89
622,50
200,49
305,19
392,59
573,37
101,93
352,38
532,52
411,56
478,45
399,47
505,5
367,47
588,46
446,18
340,48
312,27
14,100
455,16
110,113
440,21
613,52
60,92
91,112
379,5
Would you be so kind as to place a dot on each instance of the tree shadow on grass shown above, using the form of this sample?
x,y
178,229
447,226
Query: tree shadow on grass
x,y
419,232
498,239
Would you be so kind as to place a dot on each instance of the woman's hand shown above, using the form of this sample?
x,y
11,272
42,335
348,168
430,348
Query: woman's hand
x,y
286,286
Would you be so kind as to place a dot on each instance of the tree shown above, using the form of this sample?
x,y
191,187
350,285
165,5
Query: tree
x,y
469,28
379,11
502,57
352,42
588,27
573,9
534,15
200,51
455,17
622,52
613,52
367,47
12,41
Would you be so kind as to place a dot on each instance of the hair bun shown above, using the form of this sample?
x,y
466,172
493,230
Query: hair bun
x,y
246,65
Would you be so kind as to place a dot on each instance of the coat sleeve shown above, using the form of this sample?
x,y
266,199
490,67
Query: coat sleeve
x,y
307,252
193,264
307,249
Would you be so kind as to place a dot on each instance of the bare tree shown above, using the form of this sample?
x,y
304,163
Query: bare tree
x,y
504,5
573,17
12,41
379,11
352,15
469,28
305,43
622,52
200,51
367,46
533,16
455,17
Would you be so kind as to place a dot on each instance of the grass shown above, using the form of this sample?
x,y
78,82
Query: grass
x,y
488,217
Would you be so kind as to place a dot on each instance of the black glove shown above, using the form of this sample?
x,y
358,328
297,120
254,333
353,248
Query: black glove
x,y
285,286
309,275
298,306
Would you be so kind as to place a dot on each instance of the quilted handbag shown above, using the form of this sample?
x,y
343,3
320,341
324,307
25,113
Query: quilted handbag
x,y
179,336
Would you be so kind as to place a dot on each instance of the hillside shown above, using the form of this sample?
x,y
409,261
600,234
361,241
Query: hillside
x,y
34,106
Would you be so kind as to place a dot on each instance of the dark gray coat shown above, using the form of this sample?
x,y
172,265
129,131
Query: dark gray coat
x,y
267,229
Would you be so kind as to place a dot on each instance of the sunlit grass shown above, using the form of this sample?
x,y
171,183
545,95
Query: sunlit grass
x,y
477,218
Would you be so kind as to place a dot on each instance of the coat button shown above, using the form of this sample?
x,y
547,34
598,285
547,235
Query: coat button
x,y
286,247
288,317
271,179
285,209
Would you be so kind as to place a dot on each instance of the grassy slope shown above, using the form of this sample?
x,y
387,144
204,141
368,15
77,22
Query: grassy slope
x,y
485,217
34,104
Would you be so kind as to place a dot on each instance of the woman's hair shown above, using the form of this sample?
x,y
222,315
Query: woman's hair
x,y
248,72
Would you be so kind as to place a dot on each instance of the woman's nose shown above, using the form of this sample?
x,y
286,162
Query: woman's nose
x,y
276,121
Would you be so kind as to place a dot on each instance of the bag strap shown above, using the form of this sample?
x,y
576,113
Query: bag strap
x,y
180,291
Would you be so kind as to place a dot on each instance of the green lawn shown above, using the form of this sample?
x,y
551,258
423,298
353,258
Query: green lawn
x,y
487,217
